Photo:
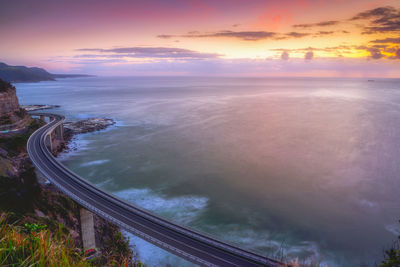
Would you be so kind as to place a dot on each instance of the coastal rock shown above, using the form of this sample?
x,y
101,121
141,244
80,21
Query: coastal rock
x,y
8,101
11,115
88,125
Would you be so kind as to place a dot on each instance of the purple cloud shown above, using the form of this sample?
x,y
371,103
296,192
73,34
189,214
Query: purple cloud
x,y
309,55
285,55
387,40
375,53
243,35
147,52
382,19
319,24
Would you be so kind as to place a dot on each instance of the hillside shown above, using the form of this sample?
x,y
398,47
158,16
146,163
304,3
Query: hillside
x,y
39,226
25,74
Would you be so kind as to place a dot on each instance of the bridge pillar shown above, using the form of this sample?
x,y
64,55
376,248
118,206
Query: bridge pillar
x,y
60,132
49,142
87,229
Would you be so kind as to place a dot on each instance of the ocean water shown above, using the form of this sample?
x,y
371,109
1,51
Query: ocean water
x,y
303,167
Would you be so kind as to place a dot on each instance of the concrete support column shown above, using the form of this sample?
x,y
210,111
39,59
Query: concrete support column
x,y
49,142
87,229
59,132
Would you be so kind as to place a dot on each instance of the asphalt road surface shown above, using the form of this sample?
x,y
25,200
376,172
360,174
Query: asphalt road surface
x,y
183,242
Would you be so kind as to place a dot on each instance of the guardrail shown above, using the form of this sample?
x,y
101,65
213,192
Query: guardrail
x,y
43,159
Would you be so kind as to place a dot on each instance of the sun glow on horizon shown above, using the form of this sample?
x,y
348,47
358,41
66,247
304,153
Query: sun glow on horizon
x,y
193,37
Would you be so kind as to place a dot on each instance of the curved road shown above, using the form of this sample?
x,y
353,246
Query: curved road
x,y
191,245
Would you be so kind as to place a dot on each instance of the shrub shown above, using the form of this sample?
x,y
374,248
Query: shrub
x,y
33,245
392,255
4,86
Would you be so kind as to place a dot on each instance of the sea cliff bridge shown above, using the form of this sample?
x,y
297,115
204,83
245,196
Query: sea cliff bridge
x,y
181,241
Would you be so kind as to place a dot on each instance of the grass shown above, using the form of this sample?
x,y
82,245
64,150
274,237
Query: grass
x,y
34,245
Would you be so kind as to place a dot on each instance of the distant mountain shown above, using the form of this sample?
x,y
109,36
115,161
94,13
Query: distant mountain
x,y
24,74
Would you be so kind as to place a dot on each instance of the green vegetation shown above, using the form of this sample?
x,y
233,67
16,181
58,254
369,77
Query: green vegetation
x,y
38,225
14,145
21,113
33,245
17,144
19,195
4,86
392,255
5,120
38,244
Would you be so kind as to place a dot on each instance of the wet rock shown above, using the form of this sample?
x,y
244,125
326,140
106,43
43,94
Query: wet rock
x,y
88,125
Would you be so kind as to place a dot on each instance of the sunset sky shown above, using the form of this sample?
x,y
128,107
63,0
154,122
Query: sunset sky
x,y
357,38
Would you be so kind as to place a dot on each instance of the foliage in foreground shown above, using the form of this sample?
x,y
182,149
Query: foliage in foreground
x,y
34,245
392,255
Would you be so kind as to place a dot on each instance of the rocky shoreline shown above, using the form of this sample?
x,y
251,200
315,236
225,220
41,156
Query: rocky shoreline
x,y
71,129
24,200
107,234
88,125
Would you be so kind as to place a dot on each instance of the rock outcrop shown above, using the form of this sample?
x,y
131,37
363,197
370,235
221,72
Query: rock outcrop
x,y
12,116
32,202
8,100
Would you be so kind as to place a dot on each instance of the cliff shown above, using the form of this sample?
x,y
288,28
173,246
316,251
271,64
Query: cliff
x,y
12,116
8,99
33,74
25,201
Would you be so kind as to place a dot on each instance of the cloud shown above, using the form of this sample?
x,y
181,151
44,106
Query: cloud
x,y
379,46
147,52
396,54
381,19
243,35
323,33
165,36
297,34
375,53
376,13
309,55
319,24
285,55
387,40
323,49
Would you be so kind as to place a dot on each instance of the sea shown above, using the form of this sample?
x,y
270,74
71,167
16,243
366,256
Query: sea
x,y
305,169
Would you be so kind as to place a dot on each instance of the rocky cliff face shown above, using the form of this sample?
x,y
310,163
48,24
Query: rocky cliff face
x,y
10,111
9,102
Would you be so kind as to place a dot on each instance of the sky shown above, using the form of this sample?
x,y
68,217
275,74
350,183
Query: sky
x,y
317,38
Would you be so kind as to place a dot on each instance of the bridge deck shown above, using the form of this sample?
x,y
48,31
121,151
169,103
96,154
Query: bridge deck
x,y
183,242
